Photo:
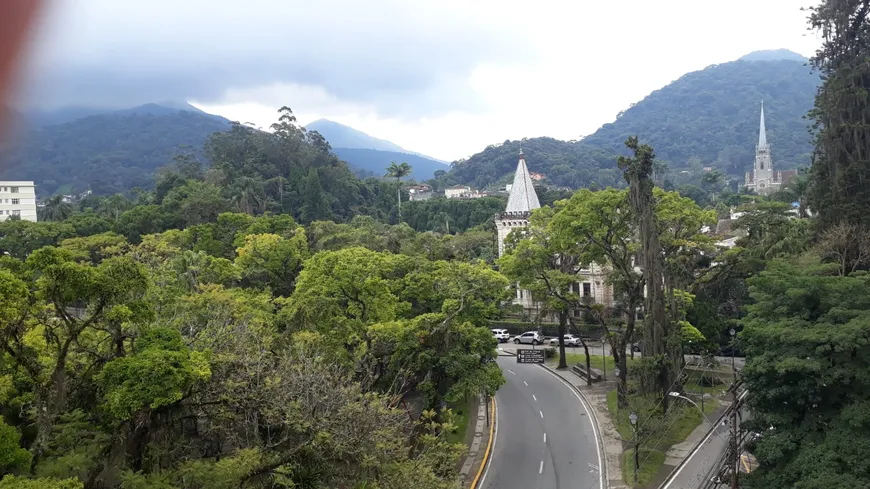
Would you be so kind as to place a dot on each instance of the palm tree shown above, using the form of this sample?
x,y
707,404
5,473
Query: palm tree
x,y
248,195
398,171
56,209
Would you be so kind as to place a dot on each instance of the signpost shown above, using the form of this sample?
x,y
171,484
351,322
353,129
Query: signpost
x,y
527,355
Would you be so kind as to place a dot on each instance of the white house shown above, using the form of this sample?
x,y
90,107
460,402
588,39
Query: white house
x,y
18,199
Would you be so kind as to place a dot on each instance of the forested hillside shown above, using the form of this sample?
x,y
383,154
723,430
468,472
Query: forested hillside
x,y
107,153
706,118
713,115
562,163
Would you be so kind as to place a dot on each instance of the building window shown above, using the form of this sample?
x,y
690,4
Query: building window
x,y
16,213
587,289
13,190
16,201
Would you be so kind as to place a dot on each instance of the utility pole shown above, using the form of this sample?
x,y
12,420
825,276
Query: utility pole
x,y
734,455
633,419
735,458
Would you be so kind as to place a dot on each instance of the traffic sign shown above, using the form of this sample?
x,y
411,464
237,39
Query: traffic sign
x,y
528,355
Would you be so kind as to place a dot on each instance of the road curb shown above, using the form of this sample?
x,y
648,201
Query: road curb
x,y
602,469
488,452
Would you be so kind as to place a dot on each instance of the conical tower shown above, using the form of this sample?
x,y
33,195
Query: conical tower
x,y
521,202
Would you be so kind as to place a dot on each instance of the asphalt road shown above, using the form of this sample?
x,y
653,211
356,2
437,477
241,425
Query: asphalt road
x,y
545,438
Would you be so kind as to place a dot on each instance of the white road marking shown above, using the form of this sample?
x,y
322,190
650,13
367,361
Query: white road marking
x,y
511,371
542,414
541,467
545,438
527,384
594,466
535,398
591,422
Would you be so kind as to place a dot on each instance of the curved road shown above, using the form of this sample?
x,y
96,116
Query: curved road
x,y
544,436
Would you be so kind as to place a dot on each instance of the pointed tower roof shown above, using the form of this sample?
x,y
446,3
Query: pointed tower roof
x,y
762,133
522,197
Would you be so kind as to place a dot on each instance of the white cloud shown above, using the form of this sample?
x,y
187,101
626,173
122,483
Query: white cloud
x,y
444,78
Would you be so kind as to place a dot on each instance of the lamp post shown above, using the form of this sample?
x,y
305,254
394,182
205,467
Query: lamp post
x,y
604,358
633,419
678,395
733,337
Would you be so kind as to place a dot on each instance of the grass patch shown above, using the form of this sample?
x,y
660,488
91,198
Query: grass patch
x,y
654,460
460,420
595,361
712,382
657,431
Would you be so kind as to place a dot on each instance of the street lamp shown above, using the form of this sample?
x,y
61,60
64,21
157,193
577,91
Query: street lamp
x,y
678,395
733,337
633,419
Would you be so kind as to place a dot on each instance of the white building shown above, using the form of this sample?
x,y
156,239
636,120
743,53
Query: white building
x,y
457,192
521,202
18,199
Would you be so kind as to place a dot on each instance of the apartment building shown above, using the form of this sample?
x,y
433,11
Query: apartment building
x,y
18,199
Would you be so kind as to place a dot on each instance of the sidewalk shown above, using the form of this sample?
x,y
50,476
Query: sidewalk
x,y
477,448
596,396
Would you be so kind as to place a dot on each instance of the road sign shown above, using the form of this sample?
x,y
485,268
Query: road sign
x,y
528,355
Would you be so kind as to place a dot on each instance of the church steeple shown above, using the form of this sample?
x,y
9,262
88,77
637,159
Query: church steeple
x,y
762,133
763,161
523,198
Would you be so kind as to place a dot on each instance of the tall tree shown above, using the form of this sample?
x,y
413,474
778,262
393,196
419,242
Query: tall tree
x,y
841,164
603,223
399,171
548,264
808,375
661,342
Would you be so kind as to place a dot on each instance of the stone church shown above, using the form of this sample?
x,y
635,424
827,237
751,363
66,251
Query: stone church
x,y
522,200
763,179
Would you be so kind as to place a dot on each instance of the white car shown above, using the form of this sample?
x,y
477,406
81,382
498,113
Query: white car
x,y
570,340
501,335
530,337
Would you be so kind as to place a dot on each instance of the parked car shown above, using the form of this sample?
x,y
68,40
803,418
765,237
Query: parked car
x,y
530,337
501,335
570,340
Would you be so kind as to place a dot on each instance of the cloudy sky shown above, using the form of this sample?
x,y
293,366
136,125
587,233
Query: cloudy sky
x,y
441,77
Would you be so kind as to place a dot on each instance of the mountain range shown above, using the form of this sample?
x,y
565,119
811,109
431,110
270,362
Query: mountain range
x,y
106,152
707,118
369,155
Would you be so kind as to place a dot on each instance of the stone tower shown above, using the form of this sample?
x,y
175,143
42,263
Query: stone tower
x,y
521,202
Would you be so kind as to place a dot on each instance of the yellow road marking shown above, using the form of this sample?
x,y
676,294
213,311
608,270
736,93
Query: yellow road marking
x,y
488,447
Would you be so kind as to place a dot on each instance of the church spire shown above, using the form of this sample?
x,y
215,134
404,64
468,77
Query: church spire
x,y
762,133
523,198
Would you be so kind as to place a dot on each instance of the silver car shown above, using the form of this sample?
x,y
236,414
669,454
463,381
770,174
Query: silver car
x,y
529,337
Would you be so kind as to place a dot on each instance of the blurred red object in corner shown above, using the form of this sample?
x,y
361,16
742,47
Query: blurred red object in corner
x,y
16,19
